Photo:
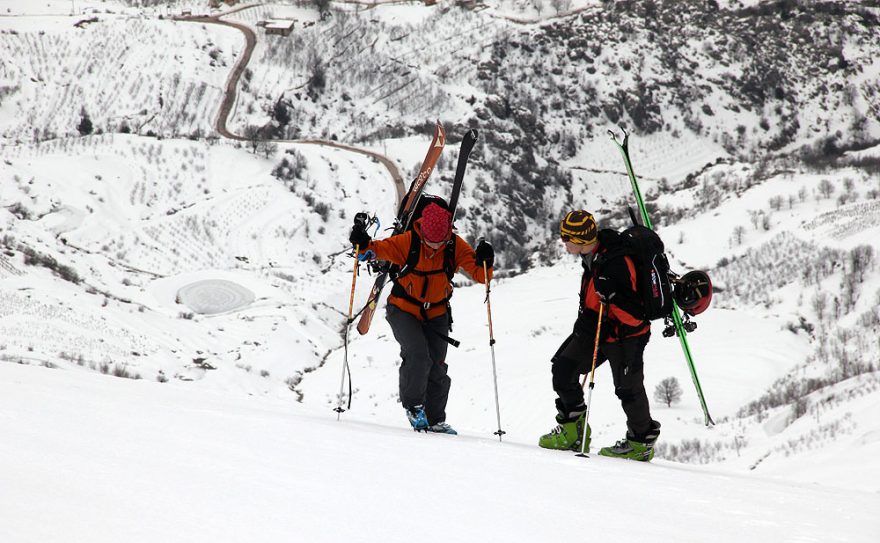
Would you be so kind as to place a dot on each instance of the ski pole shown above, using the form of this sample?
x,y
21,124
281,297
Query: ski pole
x,y
500,432
592,383
354,275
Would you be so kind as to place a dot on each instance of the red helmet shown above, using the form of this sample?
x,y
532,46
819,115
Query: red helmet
x,y
693,292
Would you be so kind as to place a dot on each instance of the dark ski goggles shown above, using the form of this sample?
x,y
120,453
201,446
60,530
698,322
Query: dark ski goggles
x,y
577,241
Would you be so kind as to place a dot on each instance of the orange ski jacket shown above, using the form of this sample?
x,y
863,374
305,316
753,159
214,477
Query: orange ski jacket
x,y
438,288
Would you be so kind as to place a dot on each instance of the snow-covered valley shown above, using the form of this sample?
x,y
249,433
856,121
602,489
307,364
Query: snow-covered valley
x,y
172,302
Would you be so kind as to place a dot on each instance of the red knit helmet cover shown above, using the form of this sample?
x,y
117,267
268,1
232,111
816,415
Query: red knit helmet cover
x,y
436,223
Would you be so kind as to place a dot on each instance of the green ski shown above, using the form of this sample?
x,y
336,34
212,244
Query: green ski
x,y
676,312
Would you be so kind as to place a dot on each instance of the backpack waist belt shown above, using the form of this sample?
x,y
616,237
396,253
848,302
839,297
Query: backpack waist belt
x,y
425,305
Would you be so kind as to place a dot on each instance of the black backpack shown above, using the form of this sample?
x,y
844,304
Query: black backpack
x,y
653,285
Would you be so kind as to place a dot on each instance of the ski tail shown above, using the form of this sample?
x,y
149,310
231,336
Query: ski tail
x,y
366,318
623,147
467,145
686,349
407,205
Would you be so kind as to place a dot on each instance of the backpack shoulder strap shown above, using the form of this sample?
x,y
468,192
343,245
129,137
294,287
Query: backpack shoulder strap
x,y
602,259
449,258
412,256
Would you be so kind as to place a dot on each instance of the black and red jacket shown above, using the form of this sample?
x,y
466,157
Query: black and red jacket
x,y
623,312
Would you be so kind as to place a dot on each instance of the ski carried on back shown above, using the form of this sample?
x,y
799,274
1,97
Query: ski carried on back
x,y
401,223
467,145
680,329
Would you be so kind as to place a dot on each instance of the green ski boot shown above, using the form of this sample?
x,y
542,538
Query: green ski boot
x,y
566,436
630,448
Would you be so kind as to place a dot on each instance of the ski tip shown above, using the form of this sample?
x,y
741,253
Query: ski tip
x,y
622,143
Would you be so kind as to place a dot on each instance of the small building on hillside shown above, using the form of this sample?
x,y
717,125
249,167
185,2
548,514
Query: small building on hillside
x,y
277,27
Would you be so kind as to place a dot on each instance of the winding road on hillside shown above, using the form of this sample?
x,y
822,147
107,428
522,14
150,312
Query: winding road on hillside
x,y
230,95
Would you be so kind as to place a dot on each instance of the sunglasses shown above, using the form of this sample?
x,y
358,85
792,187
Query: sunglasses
x,y
577,241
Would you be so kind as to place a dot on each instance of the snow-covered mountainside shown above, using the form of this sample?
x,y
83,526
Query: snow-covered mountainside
x,y
149,231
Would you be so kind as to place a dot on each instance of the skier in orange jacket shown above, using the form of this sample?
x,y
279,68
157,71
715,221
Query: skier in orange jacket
x,y
418,306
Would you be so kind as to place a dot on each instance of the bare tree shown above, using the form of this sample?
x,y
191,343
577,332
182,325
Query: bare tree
x,y
561,6
85,123
739,234
268,148
826,188
755,217
820,302
668,391
317,68
848,185
765,222
861,259
252,134
323,7
800,407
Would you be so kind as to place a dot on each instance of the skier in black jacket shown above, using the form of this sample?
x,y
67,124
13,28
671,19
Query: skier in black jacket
x,y
608,279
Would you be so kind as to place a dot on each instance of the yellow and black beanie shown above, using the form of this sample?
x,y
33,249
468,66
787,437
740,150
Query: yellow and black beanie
x,y
579,227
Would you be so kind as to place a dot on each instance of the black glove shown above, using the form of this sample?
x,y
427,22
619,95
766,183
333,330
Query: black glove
x,y
485,253
585,325
604,288
588,322
359,236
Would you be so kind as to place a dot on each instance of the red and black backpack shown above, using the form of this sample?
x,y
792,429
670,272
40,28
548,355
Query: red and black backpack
x,y
653,282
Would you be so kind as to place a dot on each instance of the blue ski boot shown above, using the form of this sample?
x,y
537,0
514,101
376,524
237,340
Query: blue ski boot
x,y
417,418
442,428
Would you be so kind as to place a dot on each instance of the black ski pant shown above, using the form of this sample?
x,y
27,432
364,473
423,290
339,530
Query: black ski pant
x,y
423,378
626,358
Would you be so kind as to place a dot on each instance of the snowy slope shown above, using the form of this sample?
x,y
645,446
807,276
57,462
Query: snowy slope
x,y
97,459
